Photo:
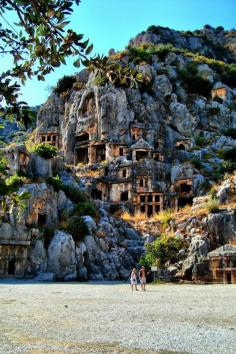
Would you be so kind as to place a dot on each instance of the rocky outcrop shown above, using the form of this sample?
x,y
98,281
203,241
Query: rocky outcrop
x,y
61,256
206,41
141,149
222,226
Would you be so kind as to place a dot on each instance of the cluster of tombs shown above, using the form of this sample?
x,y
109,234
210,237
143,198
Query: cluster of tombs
x,y
142,187
135,173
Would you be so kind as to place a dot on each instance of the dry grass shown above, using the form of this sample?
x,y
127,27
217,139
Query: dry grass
x,y
164,216
135,218
187,212
89,173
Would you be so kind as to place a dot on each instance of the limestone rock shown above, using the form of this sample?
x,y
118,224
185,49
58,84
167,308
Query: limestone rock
x,y
61,256
91,224
45,277
162,86
222,226
38,258
224,191
40,167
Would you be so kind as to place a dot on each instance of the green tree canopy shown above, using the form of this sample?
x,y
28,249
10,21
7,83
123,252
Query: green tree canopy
x,y
37,43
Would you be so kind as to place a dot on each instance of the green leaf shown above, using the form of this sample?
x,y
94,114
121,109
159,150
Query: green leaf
x,y
77,63
89,49
62,24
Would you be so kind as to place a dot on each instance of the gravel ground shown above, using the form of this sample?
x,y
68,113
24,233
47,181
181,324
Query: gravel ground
x,y
109,318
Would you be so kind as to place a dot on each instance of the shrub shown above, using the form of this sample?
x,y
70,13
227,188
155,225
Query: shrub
x,y
213,206
86,208
145,51
147,260
230,132
164,248
64,84
229,166
14,182
99,80
163,50
164,217
77,228
46,151
55,182
73,193
229,154
196,163
199,140
228,75
213,192
193,82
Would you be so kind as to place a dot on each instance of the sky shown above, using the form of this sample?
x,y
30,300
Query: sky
x,y
111,23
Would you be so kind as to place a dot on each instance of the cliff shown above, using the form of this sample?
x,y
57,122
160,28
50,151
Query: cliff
x,y
138,150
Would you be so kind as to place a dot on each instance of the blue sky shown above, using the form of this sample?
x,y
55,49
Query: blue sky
x,y
111,23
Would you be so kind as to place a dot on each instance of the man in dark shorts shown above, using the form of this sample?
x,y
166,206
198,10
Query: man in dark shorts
x,y
142,278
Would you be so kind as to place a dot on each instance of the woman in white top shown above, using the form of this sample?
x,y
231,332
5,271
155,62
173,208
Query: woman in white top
x,y
134,279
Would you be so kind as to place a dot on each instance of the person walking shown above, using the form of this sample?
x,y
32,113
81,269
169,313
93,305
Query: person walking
x,y
142,278
133,279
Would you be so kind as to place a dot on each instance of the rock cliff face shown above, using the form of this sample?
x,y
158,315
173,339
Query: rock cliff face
x,y
141,150
213,42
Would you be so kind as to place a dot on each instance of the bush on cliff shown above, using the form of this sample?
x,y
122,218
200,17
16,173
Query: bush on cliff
x,y
76,227
230,132
46,151
164,248
86,208
55,182
64,84
193,82
14,182
229,154
213,206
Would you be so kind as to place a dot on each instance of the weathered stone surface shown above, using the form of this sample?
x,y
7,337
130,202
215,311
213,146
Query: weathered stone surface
x,y
42,201
45,277
61,256
162,86
91,225
140,149
223,192
38,257
6,232
222,226
40,167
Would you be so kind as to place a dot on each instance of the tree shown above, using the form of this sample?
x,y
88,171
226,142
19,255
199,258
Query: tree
x,y
10,198
37,43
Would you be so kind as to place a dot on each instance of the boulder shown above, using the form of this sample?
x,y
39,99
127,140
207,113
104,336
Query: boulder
x,y
61,256
45,277
38,257
6,232
83,274
162,86
40,167
222,226
206,73
199,246
90,223
223,192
